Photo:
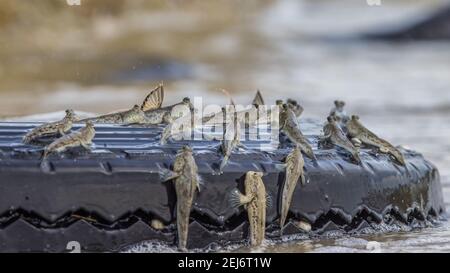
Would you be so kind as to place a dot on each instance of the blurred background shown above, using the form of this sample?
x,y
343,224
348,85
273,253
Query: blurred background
x,y
390,63
104,54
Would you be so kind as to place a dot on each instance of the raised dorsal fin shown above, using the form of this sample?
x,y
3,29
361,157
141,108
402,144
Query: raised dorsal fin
x,y
258,100
235,118
154,100
229,96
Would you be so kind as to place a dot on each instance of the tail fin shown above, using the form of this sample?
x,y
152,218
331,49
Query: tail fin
x,y
46,166
223,164
45,154
282,222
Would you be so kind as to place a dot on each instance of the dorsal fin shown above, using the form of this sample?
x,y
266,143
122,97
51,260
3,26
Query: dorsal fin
x,y
258,100
236,120
154,100
229,96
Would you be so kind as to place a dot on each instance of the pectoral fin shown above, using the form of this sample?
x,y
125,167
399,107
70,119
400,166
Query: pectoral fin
x,y
236,199
86,146
166,174
324,138
356,142
281,167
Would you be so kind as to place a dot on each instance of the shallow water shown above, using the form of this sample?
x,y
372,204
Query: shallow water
x,y
304,50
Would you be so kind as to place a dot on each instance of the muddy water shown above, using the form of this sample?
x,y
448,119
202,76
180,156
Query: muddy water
x,y
306,51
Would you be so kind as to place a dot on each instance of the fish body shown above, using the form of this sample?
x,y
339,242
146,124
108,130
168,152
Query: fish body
x,y
290,127
335,135
211,116
338,112
254,201
248,116
357,131
186,181
52,128
134,115
295,106
251,112
82,137
292,104
164,114
156,116
113,118
293,164
166,133
231,140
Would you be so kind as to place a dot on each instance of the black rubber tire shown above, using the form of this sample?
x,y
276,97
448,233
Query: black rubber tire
x,y
116,191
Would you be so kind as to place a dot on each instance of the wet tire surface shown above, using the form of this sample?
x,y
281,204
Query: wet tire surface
x,y
106,198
